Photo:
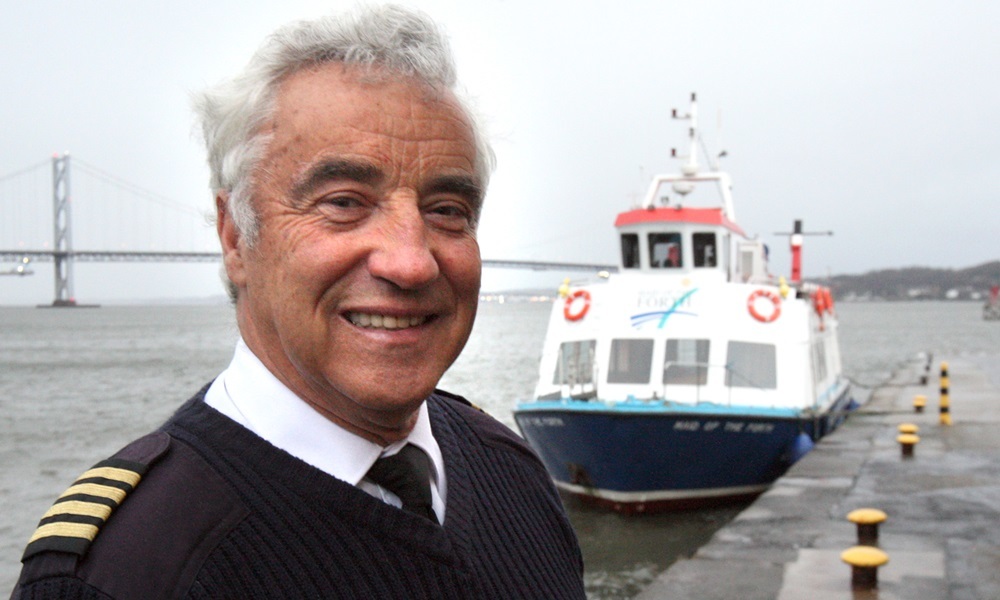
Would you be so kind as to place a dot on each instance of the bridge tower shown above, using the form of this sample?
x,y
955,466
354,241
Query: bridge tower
x,y
62,232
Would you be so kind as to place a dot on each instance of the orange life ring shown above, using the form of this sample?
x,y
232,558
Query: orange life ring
x,y
823,301
819,302
775,303
568,311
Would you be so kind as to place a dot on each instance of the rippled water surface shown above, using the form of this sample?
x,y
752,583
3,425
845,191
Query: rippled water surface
x,y
76,385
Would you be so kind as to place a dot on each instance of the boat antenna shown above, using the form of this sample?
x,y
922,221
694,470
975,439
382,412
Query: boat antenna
x,y
713,161
722,153
684,182
691,166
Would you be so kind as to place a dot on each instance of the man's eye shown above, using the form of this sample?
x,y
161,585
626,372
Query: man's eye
x,y
342,202
450,215
450,211
342,208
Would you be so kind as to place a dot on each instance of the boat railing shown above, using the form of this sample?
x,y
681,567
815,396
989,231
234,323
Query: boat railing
x,y
686,374
744,380
696,376
585,390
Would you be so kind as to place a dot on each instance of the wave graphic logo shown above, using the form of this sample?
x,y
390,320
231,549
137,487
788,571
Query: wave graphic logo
x,y
661,316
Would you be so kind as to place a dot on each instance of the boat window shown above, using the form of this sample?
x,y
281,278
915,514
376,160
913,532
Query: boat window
x,y
751,365
630,250
746,263
575,364
686,362
665,250
725,253
631,361
819,360
705,254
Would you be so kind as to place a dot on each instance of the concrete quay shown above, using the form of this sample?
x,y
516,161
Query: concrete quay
x,y
942,534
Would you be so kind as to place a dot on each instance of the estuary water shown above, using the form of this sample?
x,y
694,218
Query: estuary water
x,y
76,385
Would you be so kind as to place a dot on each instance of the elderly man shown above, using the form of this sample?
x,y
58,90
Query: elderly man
x,y
322,463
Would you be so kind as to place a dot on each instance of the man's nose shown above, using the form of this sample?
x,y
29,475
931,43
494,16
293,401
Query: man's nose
x,y
403,253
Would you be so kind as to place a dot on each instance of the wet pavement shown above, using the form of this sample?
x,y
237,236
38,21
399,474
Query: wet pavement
x,y
942,534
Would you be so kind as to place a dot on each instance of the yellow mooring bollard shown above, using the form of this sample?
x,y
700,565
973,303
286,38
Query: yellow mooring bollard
x,y
867,520
906,443
864,561
919,402
945,405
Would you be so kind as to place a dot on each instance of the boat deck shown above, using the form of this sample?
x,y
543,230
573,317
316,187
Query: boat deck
x,y
943,505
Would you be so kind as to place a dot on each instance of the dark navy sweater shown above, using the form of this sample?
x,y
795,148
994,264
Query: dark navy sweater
x,y
221,513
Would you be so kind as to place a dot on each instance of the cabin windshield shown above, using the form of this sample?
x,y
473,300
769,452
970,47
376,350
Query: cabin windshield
x,y
704,246
665,250
630,251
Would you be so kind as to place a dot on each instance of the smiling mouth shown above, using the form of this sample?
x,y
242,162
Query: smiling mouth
x,y
370,321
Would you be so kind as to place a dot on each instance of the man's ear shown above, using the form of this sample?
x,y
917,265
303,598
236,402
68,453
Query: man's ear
x,y
230,239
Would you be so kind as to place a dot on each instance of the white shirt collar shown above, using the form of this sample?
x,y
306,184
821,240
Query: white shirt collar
x,y
253,397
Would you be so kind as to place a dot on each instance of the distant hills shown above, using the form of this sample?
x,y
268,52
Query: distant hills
x,y
911,283
918,283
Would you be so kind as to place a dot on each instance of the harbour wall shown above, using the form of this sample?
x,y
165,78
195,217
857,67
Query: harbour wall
x,y
942,504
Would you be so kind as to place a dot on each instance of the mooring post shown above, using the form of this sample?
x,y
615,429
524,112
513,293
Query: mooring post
x,y
944,413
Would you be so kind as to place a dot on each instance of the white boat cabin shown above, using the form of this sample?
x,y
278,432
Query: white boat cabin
x,y
702,241
692,317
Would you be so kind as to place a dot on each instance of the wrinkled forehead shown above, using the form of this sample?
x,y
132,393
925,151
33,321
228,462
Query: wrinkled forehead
x,y
334,78
396,130
333,95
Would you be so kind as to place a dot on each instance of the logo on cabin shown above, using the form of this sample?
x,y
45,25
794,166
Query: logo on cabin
x,y
674,303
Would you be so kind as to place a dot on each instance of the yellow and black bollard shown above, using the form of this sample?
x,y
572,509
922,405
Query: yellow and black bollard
x,y
945,405
919,402
864,561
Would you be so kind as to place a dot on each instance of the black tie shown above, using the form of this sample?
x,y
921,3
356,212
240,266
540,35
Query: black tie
x,y
407,475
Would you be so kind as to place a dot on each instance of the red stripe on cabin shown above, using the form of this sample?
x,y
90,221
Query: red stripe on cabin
x,y
699,216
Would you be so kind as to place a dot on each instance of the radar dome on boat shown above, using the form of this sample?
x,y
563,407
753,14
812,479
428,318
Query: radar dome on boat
x,y
683,187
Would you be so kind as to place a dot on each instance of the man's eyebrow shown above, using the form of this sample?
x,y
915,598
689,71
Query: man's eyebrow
x,y
329,170
463,185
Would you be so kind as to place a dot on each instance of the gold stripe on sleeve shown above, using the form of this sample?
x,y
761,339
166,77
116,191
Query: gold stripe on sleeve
x,y
93,489
77,507
123,475
73,530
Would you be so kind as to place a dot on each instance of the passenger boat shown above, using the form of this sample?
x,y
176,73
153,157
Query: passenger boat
x,y
691,376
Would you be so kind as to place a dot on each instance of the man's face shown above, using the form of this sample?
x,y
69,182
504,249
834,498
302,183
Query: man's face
x,y
362,285
674,255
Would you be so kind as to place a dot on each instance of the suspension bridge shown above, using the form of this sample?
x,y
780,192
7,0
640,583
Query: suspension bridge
x,y
50,212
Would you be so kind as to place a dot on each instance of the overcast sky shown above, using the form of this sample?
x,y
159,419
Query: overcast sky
x,y
877,120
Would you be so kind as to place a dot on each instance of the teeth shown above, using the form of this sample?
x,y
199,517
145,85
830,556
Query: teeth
x,y
384,321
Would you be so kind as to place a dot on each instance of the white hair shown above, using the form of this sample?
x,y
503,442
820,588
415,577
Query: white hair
x,y
385,38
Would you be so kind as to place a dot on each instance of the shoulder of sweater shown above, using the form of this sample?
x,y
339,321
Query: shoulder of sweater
x,y
490,431
137,525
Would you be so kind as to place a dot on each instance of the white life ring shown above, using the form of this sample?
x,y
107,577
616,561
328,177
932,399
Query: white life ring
x,y
775,305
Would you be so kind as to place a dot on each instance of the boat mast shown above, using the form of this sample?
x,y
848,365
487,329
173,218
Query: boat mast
x,y
691,167
795,239
683,183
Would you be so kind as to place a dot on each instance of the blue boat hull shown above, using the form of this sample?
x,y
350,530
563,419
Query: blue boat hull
x,y
637,457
